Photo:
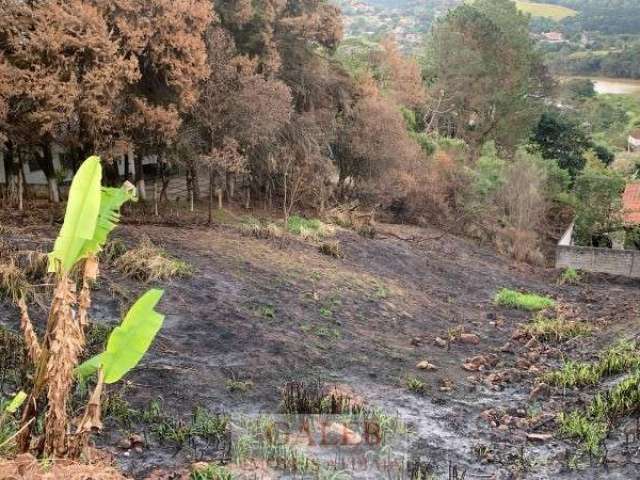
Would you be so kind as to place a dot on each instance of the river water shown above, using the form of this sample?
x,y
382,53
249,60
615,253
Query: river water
x,y
619,86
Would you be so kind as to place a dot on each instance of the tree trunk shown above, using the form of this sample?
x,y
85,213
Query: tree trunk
x,y
231,185
195,184
139,176
127,167
210,195
45,161
219,195
20,188
11,168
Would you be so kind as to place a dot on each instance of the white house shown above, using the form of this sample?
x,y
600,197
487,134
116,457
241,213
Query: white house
x,y
33,175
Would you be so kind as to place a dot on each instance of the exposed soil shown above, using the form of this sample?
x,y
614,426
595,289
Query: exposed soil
x,y
269,311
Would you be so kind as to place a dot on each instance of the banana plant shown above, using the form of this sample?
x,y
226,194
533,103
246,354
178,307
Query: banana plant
x,y
15,402
10,409
128,342
92,213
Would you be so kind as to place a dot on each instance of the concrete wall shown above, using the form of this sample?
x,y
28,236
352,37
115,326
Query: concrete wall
x,y
591,259
37,177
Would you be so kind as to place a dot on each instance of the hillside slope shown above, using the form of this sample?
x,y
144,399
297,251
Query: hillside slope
x,y
266,311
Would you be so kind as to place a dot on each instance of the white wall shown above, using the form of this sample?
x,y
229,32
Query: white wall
x,y
37,177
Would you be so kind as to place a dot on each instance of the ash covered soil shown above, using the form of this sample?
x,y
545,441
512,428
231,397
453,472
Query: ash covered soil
x,y
268,311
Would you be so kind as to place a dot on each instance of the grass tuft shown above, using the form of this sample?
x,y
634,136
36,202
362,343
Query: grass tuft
x,y
113,250
578,426
331,249
148,262
211,472
591,427
569,276
523,301
13,283
555,329
415,385
309,229
621,357
239,386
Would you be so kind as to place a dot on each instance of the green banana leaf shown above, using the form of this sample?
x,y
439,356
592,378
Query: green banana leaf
x,y
128,342
111,199
15,403
80,218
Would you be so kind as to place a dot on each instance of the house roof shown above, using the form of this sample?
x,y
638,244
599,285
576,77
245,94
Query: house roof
x,y
631,203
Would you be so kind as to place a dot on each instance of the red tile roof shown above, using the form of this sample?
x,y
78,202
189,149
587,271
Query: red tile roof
x,y
631,203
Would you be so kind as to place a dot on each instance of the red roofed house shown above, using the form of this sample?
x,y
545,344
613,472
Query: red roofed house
x,y
634,140
631,204
553,37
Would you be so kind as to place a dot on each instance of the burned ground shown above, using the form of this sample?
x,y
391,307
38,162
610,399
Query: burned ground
x,y
259,312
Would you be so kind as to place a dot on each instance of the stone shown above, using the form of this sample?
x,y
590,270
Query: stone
x,y
344,435
441,342
539,391
425,365
124,444
506,348
136,440
469,338
415,341
539,437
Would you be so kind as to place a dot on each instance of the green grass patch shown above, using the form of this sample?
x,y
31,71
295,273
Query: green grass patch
x,y
211,472
546,10
239,386
555,329
591,427
569,276
312,228
579,426
523,301
621,357
415,385
9,425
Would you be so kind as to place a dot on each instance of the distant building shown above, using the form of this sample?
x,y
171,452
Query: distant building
x,y
553,37
631,204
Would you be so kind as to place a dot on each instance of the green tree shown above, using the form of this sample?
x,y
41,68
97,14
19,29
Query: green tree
x,y
485,74
558,137
599,205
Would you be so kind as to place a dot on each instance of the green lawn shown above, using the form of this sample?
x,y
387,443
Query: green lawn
x,y
547,10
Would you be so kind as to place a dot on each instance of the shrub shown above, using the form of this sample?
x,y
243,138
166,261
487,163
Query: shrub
x,y
523,301
148,262
332,249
